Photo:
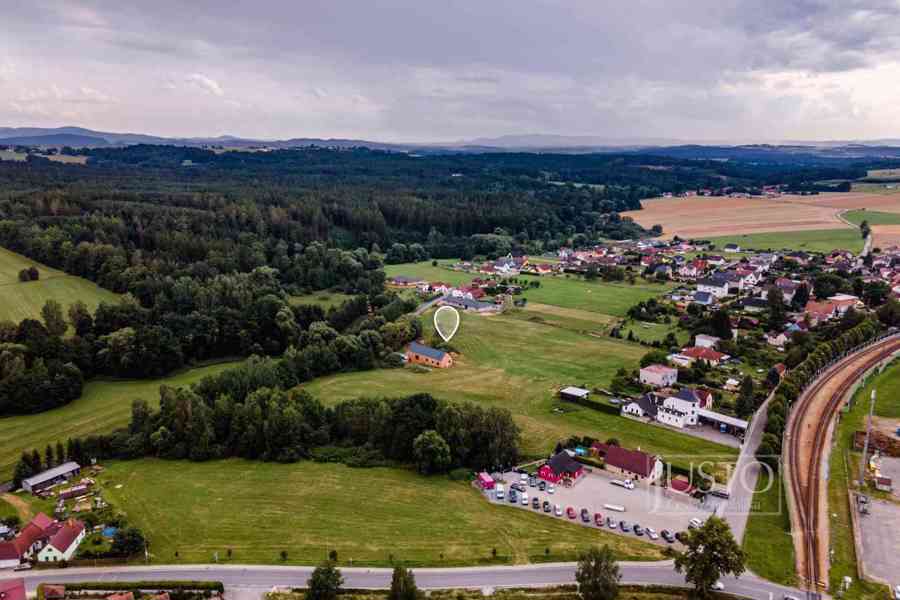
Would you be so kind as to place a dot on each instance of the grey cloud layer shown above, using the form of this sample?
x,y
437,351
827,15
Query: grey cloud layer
x,y
419,70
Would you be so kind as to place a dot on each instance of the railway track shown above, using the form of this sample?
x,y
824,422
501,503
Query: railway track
x,y
806,475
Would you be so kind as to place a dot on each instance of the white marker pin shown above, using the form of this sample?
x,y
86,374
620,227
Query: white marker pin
x,y
448,324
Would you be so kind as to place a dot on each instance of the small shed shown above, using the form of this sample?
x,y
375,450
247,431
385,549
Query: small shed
x,y
485,481
574,394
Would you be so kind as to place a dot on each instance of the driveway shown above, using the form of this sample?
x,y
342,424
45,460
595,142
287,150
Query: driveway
x,y
649,506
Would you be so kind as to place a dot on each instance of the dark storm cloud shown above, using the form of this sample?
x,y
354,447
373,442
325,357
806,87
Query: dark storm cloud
x,y
446,70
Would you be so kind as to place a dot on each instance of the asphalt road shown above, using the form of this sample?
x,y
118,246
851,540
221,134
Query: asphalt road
x,y
245,582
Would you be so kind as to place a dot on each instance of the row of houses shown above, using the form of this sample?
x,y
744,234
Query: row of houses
x,y
564,468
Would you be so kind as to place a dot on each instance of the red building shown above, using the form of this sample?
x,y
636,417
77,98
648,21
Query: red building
x,y
561,467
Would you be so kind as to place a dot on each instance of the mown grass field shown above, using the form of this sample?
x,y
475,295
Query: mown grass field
x,y
887,403
573,292
103,406
20,300
323,298
518,364
824,240
874,217
308,509
767,539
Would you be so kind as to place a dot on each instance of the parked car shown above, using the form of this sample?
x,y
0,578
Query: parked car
x,y
570,512
610,522
557,510
897,592
718,586
523,477
513,497
22,567
694,523
536,503
524,499
627,483
547,507
638,530
598,519
585,515
499,492
532,481
667,535
651,533
518,487
625,526
542,486
550,489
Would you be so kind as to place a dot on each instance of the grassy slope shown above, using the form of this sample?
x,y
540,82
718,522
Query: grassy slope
x,y
874,217
824,240
518,364
565,292
325,299
24,300
767,539
308,509
103,406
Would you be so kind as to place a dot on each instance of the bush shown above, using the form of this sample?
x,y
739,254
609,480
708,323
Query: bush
x,y
460,475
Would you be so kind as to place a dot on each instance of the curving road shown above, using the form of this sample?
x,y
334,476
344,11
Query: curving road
x,y
245,582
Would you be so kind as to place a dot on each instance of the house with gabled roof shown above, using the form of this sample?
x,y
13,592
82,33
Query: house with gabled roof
x,y
633,464
426,355
61,546
561,467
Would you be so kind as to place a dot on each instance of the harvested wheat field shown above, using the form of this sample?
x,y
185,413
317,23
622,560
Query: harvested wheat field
x,y
698,216
885,236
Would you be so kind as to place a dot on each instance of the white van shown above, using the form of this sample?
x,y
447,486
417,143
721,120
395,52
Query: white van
x,y
627,484
524,499
499,492
615,507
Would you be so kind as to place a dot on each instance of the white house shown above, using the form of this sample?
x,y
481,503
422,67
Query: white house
x,y
777,339
63,543
716,286
658,375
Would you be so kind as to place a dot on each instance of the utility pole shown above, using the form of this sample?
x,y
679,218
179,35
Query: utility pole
x,y
862,464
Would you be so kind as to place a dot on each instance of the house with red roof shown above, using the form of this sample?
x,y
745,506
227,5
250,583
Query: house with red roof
x,y
63,543
31,539
633,464
819,312
711,356
682,486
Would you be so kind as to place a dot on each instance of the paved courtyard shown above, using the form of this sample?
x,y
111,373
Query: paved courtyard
x,y
880,542
649,506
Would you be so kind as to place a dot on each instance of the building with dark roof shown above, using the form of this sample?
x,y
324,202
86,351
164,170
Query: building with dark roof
x,y
51,477
426,355
561,467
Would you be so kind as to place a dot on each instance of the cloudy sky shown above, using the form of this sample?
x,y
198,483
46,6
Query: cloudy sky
x,y
441,70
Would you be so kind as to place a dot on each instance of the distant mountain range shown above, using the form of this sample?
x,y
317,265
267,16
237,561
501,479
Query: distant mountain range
x,y
80,137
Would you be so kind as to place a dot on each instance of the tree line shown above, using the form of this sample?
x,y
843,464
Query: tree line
x,y
41,367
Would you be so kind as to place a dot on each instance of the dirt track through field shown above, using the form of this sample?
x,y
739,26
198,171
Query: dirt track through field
x,y
20,505
699,216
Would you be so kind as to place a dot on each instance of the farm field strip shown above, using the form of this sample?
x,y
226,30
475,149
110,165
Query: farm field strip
x,y
704,217
825,240
21,300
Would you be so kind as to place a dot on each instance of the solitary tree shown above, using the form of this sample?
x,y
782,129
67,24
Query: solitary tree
x,y
324,583
598,574
54,319
710,552
403,585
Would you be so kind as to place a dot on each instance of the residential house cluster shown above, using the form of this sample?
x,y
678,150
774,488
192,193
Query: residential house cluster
x,y
43,540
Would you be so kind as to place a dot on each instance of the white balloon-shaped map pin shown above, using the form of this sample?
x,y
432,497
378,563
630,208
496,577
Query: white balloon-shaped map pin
x,y
446,310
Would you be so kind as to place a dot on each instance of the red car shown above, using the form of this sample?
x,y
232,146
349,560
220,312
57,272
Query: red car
x,y
570,512
598,519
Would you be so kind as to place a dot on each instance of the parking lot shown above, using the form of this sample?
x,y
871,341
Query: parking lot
x,y
880,544
890,467
649,506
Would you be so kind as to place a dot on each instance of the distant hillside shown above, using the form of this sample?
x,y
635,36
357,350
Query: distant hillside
x,y
55,139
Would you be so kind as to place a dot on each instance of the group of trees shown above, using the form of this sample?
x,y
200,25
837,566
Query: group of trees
x,y
790,388
29,274
246,412
42,367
